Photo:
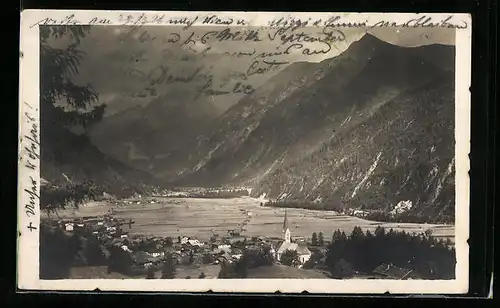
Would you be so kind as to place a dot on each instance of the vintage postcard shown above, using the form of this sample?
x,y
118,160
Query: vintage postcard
x,y
244,152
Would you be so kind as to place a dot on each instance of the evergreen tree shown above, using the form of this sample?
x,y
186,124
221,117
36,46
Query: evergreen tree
x,y
379,231
314,239
58,67
357,232
64,104
343,236
336,235
168,269
321,239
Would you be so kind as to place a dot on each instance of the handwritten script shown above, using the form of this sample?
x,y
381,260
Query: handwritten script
x,y
303,37
30,160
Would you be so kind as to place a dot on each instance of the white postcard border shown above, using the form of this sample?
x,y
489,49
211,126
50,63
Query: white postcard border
x,y
29,179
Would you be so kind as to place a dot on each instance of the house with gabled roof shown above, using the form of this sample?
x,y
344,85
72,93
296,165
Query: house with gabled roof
x,y
393,272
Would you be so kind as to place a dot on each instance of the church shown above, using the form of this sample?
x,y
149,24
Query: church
x,y
301,248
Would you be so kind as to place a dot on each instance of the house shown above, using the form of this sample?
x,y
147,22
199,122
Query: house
x,y
156,254
195,242
301,248
184,240
392,272
224,247
69,227
142,258
237,256
125,248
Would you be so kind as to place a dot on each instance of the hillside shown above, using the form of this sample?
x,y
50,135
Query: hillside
x,y
403,151
353,130
67,157
145,137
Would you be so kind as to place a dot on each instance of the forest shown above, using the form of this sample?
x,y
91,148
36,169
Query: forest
x,y
412,216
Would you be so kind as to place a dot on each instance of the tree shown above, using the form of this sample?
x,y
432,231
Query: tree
x,y
321,239
63,103
151,273
380,231
57,252
236,269
169,242
336,235
58,67
179,239
168,269
289,257
93,252
119,260
357,232
315,259
240,267
314,239
224,271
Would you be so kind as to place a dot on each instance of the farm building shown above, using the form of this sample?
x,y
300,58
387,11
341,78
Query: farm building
x,y
390,271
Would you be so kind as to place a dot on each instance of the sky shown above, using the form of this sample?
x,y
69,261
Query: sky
x,y
121,62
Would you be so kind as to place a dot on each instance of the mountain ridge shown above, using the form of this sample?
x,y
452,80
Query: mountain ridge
x,y
263,146
70,158
280,113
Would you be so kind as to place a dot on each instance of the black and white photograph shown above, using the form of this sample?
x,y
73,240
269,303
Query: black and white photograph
x,y
222,146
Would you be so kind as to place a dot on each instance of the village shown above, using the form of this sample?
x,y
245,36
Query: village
x,y
116,247
150,252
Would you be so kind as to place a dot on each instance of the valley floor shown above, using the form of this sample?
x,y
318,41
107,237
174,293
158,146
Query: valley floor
x,y
201,218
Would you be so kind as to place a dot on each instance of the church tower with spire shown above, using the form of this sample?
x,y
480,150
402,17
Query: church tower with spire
x,y
286,230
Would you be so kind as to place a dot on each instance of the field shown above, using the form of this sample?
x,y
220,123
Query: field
x,y
202,218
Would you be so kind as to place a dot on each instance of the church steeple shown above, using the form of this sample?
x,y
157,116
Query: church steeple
x,y
286,230
285,222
